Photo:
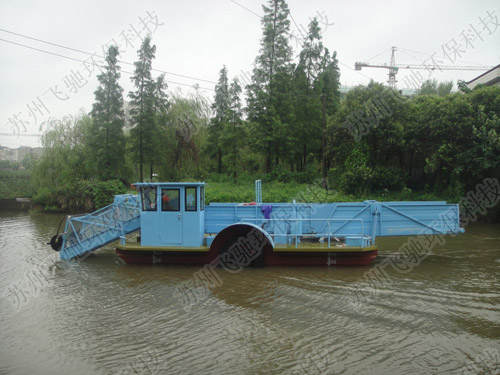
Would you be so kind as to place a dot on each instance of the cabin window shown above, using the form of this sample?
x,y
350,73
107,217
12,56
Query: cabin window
x,y
202,198
190,199
170,200
148,198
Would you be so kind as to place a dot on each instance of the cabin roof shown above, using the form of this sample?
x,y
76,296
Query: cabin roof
x,y
169,184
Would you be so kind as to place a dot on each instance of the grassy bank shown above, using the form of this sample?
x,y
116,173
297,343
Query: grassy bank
x,y
15,184
280,192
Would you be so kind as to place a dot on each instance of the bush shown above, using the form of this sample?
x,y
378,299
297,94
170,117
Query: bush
x,y
45,197
389,178
81,196
278,173
105,191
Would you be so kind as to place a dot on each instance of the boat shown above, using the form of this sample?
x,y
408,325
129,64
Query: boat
x,y
169,223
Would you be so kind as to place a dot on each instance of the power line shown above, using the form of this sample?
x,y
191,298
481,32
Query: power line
x,y
408,54
96,55
41,50
374,57
357,71
84,62
20,135
244,7
295,23
124,71
432,54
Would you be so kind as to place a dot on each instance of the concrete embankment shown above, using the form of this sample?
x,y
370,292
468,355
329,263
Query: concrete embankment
x,y
15,204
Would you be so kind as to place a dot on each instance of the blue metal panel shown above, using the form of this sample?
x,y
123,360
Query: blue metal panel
x,y
89,232
194,224
362,222
150,229
173,228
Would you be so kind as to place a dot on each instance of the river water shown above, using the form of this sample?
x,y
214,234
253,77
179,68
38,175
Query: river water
x,y
101,316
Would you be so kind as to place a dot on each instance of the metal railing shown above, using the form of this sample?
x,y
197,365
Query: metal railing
x,y
258,191
84,233
329,234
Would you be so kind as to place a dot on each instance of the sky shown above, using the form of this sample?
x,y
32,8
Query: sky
x,y
194,39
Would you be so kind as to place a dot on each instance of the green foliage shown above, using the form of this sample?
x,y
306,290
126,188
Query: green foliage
x,y
220,108
448,143
282,174
106,137
380,144
272,192
66,155
105,191
226,130
389,178
9,164
146,105
16,183
185,129
462,86
432,87
81,196
45,197
269,102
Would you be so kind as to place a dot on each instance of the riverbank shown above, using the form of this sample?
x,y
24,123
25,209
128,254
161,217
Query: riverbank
x,y
14,204
86,196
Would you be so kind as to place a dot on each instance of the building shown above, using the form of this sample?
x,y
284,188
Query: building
x,y
18,154
489,78
8,154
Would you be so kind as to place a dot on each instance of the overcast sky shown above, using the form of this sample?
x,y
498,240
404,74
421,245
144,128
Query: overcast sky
x,y
196,38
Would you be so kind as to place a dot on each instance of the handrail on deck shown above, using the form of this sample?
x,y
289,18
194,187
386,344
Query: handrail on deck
x,y
329,234
258,191
87,232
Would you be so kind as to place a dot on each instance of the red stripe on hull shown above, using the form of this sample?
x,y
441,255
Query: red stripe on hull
x,y
159,257
362,258
272,258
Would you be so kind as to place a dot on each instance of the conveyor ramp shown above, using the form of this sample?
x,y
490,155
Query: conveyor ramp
x,y
88,232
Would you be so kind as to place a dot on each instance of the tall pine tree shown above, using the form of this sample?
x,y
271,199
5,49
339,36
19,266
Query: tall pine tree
x,y
220,108
269,104
106,139
233,133
144,131
317,95
307,126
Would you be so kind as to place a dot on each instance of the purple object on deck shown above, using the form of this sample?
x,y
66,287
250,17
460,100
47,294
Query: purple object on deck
x,y
266,211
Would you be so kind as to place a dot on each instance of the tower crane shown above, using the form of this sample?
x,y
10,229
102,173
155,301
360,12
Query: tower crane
x,y
393,68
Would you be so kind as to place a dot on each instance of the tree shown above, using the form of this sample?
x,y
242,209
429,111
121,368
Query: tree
x,y
366,139
269,103
233,133
161,105
143,106
106,139
66,155
307,127
316,86
432,87
220,107
187,120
